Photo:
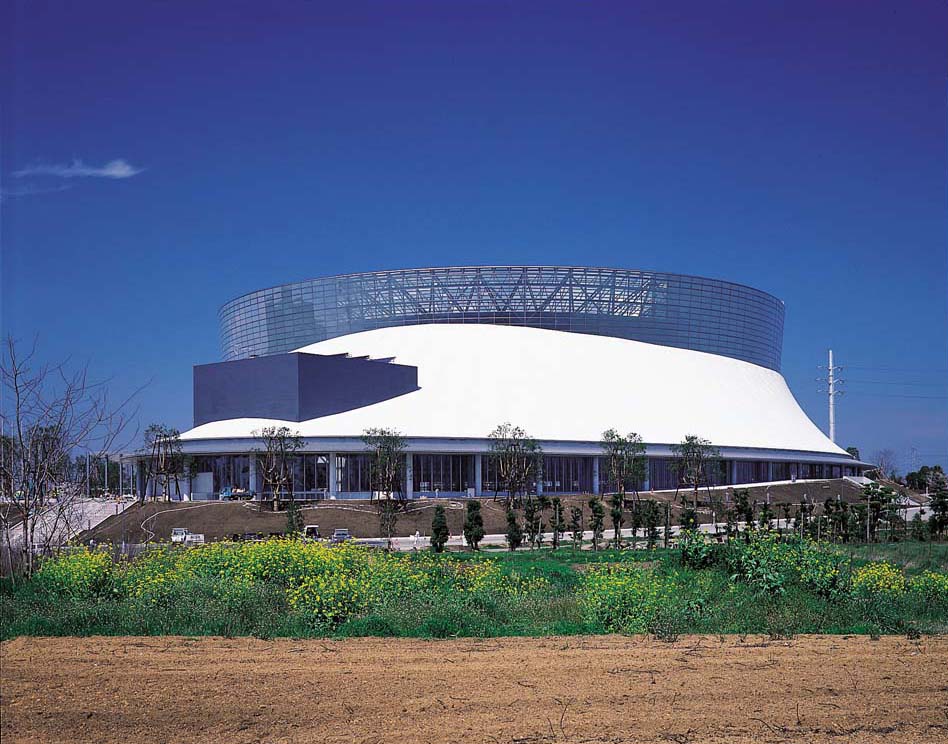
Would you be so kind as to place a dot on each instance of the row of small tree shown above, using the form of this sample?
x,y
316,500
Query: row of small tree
x,y
543,515
518,462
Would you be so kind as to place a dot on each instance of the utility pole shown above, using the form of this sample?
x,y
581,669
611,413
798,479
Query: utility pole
x,y
831,381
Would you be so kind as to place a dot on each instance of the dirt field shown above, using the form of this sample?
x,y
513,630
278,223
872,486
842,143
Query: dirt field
x,y
592,689
221,520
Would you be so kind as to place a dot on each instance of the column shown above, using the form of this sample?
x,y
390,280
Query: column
x,y
596,488
647,485
478,475
253,476
733,472
333,477
139,479
770,471
409,476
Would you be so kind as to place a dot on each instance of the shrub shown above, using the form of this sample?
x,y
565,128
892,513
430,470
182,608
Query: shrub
x,y
150,577
514,534
762,563
474,524
439,529
624,599
878,579
696,549
330,598
77,575
819,571
931,587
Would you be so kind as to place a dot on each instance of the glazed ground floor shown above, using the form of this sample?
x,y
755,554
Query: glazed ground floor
x,y
339,475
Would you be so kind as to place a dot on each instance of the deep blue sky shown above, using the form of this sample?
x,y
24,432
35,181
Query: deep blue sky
x,y
796,147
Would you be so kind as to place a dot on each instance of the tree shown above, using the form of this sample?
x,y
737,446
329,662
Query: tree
x,y
924,477
651,518
294,519
694,459
557,521
533,522
543,504
50,413
439,529
280,445
618,517
625,460
516,459
688,519
880,505
938,521
635,521
386,449
885,460
164,462
474,524
854,452
576,526
388,519
514,534
597,520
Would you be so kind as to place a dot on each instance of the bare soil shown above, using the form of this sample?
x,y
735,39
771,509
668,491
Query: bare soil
x,y
222,520
583,689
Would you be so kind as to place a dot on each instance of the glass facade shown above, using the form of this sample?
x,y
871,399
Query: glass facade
x,y
309,474
668,309
353,473
451,475
567,474
491,481
433,474
231,472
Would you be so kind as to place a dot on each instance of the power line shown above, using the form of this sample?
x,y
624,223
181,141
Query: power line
x,y
893,382
894,395
932,370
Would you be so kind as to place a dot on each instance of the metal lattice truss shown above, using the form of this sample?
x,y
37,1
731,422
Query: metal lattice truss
x,y
671,309
502,290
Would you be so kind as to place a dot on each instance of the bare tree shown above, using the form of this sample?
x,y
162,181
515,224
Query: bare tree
x,y
886,464
280,444
695,458
165,461
50,413
517,459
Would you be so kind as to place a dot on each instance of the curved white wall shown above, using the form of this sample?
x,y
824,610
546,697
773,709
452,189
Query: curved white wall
x,y
560,386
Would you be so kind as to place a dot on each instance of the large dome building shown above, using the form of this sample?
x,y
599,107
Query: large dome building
x,y
444,355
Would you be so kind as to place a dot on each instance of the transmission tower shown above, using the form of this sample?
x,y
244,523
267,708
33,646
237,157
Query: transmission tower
x,y
832,381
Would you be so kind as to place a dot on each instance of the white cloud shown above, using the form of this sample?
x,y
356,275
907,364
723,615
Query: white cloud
x,y
77,169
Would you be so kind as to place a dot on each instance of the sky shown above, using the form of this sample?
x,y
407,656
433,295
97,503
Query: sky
x,y
158,159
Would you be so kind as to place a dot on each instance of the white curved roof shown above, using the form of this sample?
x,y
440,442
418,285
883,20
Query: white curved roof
x,y
559,386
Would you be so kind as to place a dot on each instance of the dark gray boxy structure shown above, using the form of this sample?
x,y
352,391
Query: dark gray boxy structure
x,y
295,386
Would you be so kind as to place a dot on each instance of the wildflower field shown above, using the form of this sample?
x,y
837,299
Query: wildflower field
x,y
764,584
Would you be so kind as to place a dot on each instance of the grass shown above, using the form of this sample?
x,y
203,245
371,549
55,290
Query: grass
x,y
913,557
706,600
